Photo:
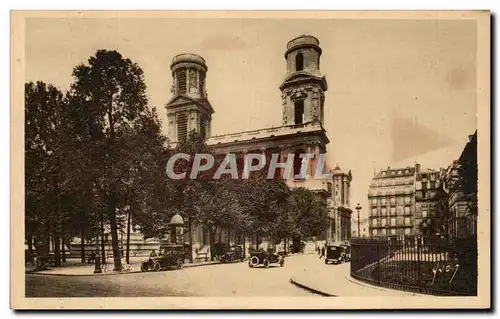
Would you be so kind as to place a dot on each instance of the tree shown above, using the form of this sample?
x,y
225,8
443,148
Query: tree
x,y
46,145
111,90
311,215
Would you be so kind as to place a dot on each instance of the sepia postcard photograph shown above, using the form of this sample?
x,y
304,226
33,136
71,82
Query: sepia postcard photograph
x,y
250,160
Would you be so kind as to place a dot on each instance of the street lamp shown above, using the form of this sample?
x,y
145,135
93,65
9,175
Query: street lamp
x,y
358,208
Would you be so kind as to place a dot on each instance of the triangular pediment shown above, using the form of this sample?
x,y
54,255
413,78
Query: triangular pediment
x,y
304,77
182,100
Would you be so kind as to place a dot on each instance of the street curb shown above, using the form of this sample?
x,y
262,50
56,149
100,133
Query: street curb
x,y
313,290
360,283
111,273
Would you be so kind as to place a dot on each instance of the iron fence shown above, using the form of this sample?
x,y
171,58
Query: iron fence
x,y
418,264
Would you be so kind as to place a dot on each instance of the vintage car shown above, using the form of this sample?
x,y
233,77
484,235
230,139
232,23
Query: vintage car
x,y
170,256
233,253
261,257
334,254
347,253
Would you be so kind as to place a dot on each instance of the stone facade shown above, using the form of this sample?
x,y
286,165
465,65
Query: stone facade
x,y
391,198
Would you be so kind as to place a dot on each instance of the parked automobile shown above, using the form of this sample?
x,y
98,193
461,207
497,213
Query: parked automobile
x,y
233,253
347,253
334,254
264,258
170,256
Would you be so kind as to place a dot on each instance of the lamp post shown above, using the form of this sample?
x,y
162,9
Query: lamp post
x,y
358,208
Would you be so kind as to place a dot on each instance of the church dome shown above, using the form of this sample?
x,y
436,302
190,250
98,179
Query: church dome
x,y
188,58
303,41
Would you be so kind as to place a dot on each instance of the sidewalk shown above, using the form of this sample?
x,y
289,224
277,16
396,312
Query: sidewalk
x,y
335,281
76,268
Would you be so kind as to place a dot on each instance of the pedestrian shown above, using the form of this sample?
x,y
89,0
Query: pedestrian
x,y
317,250
322,252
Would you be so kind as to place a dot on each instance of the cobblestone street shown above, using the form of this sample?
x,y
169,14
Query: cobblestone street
x,y
213,280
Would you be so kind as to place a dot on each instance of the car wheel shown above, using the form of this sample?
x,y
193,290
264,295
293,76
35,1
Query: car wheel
x,y
157,266
180,264
144,267
254,261
266,263
326,262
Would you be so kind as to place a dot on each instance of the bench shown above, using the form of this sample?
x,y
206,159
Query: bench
x,y
200,253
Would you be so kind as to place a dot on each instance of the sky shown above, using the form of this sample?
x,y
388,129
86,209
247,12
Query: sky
x,y
399,91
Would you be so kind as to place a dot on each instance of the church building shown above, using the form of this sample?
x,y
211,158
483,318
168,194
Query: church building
x,y
303,105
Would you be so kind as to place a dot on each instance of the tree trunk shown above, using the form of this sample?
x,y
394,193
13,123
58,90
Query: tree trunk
x,y
30,247
212,235
103,251
128,238
63,249
114,232
82,243
244,246
57,250
190,240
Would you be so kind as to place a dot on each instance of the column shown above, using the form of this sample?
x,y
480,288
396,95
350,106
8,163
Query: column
x,y
311,164
188,84
244,153
283,152
316,157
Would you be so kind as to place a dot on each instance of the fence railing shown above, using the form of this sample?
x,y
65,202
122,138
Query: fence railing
x,y
417,264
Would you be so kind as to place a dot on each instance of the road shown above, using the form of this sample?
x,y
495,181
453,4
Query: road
x,y
215,281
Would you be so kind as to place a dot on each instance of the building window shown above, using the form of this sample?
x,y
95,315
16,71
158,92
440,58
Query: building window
x,y
374,232
181,126
393,221
374,201
393,231
374,212
374,222
384,211
407,210
181,82
383,232
329,185
399,210
203,128
299,112
202,83
393,211
393,200
424,213
383,201
407,231
384,221
407,200
299,62
297,162
407,221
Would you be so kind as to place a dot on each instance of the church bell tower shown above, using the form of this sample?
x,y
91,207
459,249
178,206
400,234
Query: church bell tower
x,y
302,90
189,109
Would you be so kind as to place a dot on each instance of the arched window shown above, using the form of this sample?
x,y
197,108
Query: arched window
x,y
299,112
299,62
